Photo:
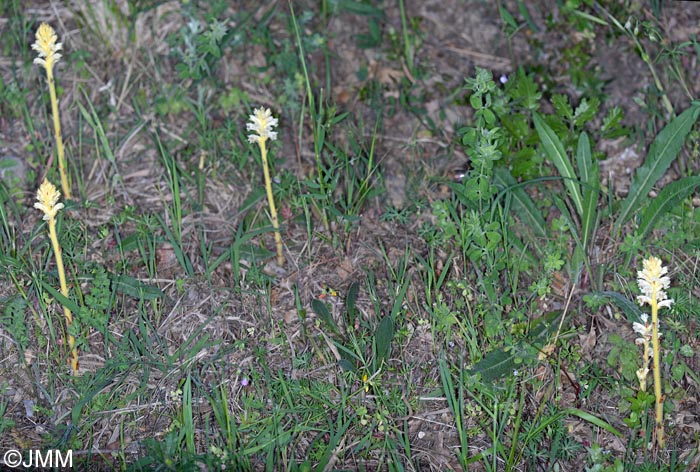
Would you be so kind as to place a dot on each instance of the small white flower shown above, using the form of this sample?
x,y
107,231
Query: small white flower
x,y
643,328
653,282
261,123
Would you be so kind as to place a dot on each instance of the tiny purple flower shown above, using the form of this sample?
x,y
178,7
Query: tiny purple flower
x,y
503,79
245,382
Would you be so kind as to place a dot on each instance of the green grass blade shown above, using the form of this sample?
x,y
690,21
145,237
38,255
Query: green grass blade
x,y
584,415
668,198
555,151
661,154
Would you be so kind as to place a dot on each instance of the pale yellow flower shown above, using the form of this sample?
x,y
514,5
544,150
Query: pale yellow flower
x,y
642,374
47,197
261,123
46,46
652,282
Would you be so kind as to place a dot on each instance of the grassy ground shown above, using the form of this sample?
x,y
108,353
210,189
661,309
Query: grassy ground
x,y
465,192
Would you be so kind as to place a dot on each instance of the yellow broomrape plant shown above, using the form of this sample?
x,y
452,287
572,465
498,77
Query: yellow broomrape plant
x,y
48,48
653,282
47,197
261,124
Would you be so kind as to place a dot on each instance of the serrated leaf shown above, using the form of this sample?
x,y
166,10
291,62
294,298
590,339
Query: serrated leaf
x,y
662,153
526,90
586,111
562,107
322,312
555,151
669,197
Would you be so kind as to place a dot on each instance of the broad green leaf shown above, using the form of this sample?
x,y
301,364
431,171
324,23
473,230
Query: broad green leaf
x,y
628,307
590,207
321,310
495,365
661,154
350,301
669,197
584,160
522,204
382,339
555,151
135,288
500,363
360,8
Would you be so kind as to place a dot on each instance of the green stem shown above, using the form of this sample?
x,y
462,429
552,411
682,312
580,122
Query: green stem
x,y
271,202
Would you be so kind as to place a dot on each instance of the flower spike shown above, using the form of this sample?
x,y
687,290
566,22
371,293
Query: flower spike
x,y
46,46
653,283
47,197
261,124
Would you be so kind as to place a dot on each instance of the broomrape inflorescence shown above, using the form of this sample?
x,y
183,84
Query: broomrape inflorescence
x,y
653,282
262,124
47,46
47,201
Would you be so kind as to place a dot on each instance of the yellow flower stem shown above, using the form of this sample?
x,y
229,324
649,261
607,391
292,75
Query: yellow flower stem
x,y
271,202
657,371
64,291
57,133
